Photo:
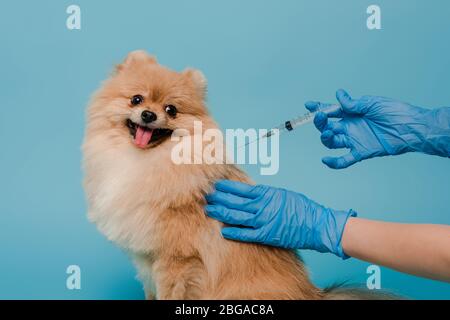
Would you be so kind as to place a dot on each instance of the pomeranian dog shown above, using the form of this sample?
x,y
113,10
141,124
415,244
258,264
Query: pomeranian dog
x,y
153,208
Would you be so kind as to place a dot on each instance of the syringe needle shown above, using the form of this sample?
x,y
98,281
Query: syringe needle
x,y
250,142
264,136
290,125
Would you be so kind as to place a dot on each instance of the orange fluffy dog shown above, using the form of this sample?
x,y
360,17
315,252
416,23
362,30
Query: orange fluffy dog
x,y
153,208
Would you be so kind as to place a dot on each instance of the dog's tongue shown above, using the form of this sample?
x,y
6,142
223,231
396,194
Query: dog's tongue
x,y
143,136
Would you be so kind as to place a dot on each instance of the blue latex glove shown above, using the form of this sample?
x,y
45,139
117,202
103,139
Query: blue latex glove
x,y
276,217
376,126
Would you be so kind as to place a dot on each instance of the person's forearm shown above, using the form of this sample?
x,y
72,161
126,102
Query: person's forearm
x,y
422,250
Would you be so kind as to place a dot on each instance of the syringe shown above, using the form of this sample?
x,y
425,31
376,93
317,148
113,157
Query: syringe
x,y
290,125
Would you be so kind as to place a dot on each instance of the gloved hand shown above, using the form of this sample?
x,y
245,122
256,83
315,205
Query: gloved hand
x,y
276,217
376,126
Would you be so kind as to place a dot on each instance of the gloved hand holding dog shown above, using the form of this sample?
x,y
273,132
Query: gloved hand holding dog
x,y
276,217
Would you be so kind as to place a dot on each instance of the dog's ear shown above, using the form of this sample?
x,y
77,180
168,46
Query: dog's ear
x,y
199,80
135,58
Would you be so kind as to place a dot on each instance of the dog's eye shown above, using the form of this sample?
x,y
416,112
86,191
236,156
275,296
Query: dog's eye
x,y
137,99
171,110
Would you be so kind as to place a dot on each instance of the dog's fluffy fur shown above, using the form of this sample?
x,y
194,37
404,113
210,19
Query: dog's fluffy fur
x,y
153,208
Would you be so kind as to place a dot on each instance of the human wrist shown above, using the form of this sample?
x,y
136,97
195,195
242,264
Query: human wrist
x,y
348,239
343,219
334,225
412,131
436,141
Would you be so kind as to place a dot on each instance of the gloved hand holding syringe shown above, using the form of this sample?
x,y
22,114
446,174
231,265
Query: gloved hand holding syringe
x,y
294,123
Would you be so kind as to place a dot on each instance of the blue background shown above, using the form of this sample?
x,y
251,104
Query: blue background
x,y
263,60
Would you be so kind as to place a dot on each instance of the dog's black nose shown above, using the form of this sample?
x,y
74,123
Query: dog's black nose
x,y
148,116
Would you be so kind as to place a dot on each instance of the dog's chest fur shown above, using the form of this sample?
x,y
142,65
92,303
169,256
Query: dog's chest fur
x,y
134,196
